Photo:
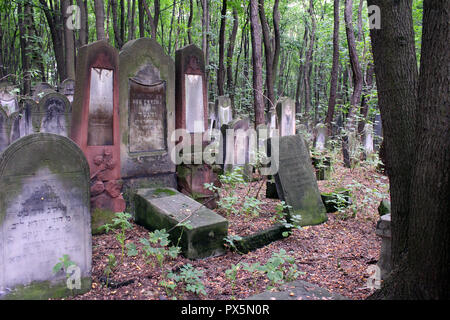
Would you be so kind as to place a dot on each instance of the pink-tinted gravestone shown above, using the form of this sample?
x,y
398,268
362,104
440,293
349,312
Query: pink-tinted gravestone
x,y
95,120
191,114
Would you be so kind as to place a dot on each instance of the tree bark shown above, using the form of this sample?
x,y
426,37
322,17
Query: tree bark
x,y
334,69
258,102
230,51
84,27
221,70
308,59
69,42
189,26
277,42
100,19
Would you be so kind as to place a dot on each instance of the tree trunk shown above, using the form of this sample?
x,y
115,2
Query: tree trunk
x,y
100,19
258,103
300,78
221,70
277,43
334,69
191,15
230,51
69,42
84,31
308,59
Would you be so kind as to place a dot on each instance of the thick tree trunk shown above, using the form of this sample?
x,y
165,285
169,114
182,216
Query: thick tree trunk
x,y
116,27
100,19
258,103
84,27
334,69
69,42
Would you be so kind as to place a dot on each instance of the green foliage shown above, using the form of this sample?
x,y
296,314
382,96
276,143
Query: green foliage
x,y
190,279
122,222
63,264
281,216
111,264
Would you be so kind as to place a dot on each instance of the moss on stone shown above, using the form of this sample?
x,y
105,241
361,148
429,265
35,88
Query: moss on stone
x,y
169,192
99,218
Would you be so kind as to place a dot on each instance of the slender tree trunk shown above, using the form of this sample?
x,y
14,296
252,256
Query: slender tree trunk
x,y
277,43
221,70
100,19
230,51
191,16
131,33
258,103
69,42
334,69
84,31
308,59
300,78
116,27
141,18
24,11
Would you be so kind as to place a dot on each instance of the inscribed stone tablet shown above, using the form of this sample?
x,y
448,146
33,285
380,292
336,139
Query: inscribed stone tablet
x,y
100,129
194,102
296,182
147,116
54,111
44,214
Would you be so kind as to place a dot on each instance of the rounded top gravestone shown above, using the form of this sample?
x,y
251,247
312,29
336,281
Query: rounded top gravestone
x,y
44,215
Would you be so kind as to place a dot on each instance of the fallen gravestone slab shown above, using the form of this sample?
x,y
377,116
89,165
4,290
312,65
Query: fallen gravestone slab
x,y
298,290
165,208
296,182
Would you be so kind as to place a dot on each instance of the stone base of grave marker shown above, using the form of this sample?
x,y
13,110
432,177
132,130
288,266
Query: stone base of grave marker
x,y
323,167
384,231
165,208
192,179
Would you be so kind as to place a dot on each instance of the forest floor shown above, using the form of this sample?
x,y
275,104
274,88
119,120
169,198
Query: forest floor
x,y
335,255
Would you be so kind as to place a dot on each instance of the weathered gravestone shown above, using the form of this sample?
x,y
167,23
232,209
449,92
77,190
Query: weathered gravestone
x,y
384,231
51,115
165,208
368,141
95,121
321,161
40,89
320,137
295,180
378,132
10,128
212,117
147,114
272,123
191,104
286,117
67,88
223,111
239,143
8,101
44,215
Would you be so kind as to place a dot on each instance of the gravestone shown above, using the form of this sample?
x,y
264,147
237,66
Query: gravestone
x,y
53,114
95,120
147,114
286,117
10,127
378,132
67,88
31,120
320,137
368,141
40,89
238,143
191,110
44,214
8,101
272,123
212,116
165,208
223,111
383,230
295,180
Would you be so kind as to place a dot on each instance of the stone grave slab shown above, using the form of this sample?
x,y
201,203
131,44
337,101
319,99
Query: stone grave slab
x,y
286,116
165,208
44,215
147,111
67,88
296,182
298,290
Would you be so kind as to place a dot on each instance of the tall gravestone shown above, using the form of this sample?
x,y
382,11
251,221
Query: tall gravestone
x,y
223,110
295,181
67,88
191,109
95,121
147,114
53,114
320,137
44,215
286,117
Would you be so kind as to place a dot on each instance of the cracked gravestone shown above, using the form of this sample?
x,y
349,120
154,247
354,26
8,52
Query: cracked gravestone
x,y
44,215
164,208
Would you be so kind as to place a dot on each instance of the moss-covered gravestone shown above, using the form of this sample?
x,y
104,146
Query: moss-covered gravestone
x,y
44,215
296,182
161,208
147,114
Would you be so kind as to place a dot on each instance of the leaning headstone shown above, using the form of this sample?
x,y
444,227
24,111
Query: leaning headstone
x,y
165,208
295,180
286,117
384,231
44,215
54,114
95,120
147,114
67,88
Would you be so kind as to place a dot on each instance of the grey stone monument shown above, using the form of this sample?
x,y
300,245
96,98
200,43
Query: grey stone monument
x,y
67,88
296,182
147,114
44,215
384,231
320,137
54,113
223,110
